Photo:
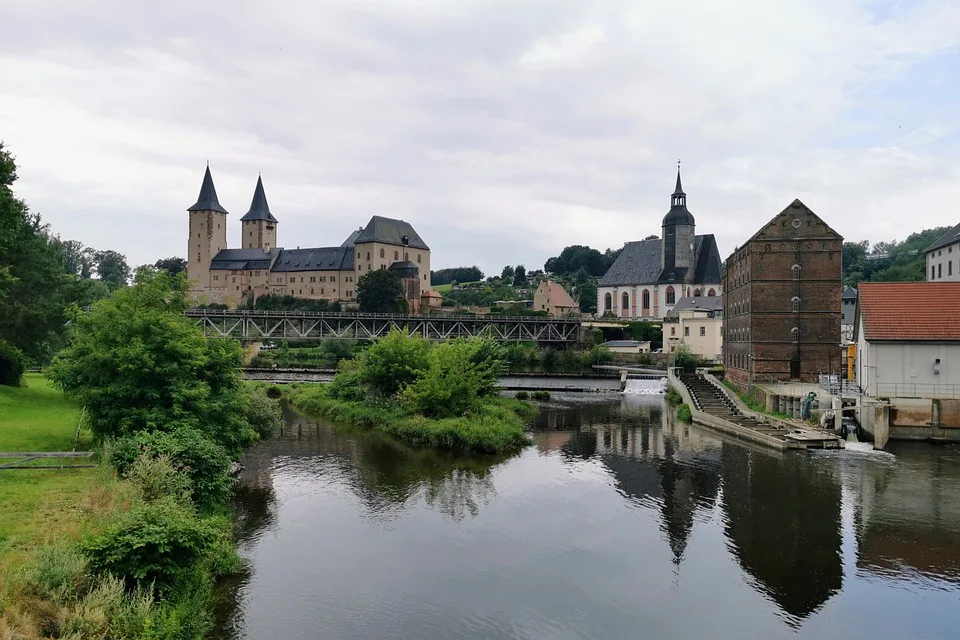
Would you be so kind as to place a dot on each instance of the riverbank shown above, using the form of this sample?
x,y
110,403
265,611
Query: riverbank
x,y
496,426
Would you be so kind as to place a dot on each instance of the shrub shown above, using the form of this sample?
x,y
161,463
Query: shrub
x,y
684,358
540,395
599,354
57,573
156,477
340,349
548,359
205,462
684,414
264,414
673,397
522,395
274,392
155,544
12,364
348,384
395,361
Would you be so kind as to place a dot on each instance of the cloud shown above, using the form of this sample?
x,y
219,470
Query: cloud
x,y
526,126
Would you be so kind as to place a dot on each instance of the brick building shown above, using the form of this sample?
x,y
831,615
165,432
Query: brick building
x,y
781,301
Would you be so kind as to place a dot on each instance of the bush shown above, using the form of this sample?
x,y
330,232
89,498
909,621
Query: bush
x,y
548,359
349,383
340,349
395,361
522,395
204,462
156,477
154,545
58,573
684,359
684,414
673,397
264,414
275,392
540,395
13,363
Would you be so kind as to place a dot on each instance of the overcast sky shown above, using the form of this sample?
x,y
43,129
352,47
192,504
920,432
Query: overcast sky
x,y
503,130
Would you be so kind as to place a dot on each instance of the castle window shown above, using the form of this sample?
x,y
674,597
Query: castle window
x,y
795,303
311,291
313,278
424,277
795,269
216,277
625,301
321,291
406,256
233,280
671,295
418,258
368,256
382,253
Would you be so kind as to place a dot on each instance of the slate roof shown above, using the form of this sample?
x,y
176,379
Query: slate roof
x,y
948,238
207,200
241,259
259,209
700,303
909,311
314,259
639,263
352,238
849,293
390,231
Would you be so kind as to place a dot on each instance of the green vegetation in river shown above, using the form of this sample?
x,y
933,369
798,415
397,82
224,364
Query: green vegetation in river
x,y
442,396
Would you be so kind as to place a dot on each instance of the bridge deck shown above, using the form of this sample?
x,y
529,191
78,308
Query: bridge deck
x,y
304,325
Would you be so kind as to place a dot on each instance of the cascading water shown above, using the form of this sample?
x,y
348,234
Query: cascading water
x,y
645,387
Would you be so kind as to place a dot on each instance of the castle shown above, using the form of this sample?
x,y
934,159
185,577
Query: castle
x,y
227,276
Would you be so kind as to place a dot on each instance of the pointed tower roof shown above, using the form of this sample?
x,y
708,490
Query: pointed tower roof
x,y
259,209
207,200
679,190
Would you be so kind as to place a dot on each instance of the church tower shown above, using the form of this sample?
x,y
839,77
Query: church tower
x,y
208,233
679,231
259,225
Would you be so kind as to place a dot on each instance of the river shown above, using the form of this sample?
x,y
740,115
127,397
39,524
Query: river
x,y
616,523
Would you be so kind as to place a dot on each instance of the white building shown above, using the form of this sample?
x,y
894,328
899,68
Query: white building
x,y
942,258
697,323
848,313
908,339
649,276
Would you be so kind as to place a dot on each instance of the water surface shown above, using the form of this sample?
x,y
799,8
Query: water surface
x,y
616,523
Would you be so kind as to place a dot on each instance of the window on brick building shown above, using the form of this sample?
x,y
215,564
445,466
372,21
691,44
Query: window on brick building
x,y
795,303
795,269
795,334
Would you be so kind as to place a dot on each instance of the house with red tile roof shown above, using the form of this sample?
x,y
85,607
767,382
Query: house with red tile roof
x,y
554,299
905,333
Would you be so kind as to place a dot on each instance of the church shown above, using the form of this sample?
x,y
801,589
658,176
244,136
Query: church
x,y
228,276
650,276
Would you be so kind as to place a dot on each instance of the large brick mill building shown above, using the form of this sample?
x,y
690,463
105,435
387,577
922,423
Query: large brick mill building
x,y
781,301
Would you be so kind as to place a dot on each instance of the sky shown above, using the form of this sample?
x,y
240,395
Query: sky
x,y
503,130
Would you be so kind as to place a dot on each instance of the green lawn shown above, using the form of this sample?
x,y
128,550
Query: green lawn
x,y
442,288
37,504
37,417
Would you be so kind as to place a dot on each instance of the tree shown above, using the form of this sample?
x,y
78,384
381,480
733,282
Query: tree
x,y
112,268
587,296
507,274
173,266
519,276
456,274
381,291
137,364
579,256
652,236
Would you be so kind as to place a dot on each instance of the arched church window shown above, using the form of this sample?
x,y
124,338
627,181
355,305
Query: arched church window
x,y
712,292
396,255
696,293
671,295
607,302
646,299
382,253
625,301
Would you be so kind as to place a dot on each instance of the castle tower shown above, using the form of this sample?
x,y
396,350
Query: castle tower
x,y
208,233
679,231
259,225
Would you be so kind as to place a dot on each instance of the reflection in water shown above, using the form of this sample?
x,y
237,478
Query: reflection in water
x,y
783,522
617,519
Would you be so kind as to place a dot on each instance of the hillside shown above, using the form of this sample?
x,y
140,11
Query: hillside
x,y
893,261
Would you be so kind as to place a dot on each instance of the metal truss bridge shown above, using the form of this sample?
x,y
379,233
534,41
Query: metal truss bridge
x,y
296,325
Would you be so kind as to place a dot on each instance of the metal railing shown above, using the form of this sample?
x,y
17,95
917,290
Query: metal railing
x,y
338,315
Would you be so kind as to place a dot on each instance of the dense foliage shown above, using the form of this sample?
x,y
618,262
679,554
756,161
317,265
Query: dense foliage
x,y
273,302
456,274
577,257
888,261
137,364
424,394
173,266
381,291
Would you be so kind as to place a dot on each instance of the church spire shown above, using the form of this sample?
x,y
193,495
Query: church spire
x,y
678,198
207,200
259,209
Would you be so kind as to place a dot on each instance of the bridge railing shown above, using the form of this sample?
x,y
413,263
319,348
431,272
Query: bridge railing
x,y
339,315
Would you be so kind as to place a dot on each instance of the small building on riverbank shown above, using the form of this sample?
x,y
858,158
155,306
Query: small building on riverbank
x,y
698,324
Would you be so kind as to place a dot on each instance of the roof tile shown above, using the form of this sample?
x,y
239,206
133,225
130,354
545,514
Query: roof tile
x,y
910,311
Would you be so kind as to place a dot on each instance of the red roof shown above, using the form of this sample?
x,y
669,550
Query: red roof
x,y
558,295
431,294
909,311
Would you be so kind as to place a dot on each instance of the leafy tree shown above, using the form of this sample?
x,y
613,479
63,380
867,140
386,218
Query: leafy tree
x,y
587,296
456,274
507,274
381,291
578,256
394,361
173,266
112,268
137,364
652,236
458,375
519,276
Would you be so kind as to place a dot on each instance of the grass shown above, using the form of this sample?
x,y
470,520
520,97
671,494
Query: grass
x,y
37,504
498,426
752,403
684,414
